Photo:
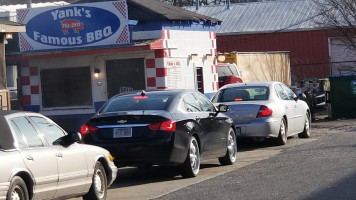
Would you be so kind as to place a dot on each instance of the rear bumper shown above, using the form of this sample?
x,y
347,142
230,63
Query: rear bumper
x,y
268,127
161,150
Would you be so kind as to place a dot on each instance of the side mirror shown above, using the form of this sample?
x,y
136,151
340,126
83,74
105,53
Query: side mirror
x,y
71,138
223,108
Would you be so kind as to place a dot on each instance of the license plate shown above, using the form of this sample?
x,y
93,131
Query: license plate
x,y
122,132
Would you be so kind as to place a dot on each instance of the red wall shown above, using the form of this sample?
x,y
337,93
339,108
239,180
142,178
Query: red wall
x,y
308,50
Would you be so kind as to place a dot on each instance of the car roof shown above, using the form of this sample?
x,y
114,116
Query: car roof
x,y
261,83
159,92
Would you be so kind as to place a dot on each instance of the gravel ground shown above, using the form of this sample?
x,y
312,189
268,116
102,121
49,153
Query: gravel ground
x,y
322,121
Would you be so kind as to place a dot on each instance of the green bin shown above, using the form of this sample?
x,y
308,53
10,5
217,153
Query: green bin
x,y
342,96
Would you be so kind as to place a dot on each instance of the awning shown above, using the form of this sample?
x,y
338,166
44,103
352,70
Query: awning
x,y
11,27
137,46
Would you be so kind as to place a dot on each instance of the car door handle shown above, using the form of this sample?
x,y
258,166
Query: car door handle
x,y
29,158
60,155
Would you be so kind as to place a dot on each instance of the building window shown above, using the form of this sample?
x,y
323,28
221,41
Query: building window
x,y
66,87
11,81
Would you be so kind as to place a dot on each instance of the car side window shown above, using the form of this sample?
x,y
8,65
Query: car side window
x,y
290,93
21,140
204,102
25,127
281,93
51,132
191,104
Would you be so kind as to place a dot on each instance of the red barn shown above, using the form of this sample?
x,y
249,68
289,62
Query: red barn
x,y
275,26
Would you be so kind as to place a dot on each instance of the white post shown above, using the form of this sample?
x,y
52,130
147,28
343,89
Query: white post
x,y
28,3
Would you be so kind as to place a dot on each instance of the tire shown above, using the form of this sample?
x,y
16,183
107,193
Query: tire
x,y
282,136
306,130
17,190
191,165
99,186
230,156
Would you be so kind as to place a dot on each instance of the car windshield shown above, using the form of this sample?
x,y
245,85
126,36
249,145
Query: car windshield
x,y
127,103
241,94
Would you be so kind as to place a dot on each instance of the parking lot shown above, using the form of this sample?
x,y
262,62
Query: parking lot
x,y
133,183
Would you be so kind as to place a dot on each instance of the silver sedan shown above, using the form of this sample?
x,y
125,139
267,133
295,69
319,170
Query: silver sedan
x,y
39,160
265,110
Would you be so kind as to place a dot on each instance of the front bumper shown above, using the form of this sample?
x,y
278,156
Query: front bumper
x,y
4,187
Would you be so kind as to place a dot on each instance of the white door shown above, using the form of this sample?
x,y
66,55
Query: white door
x,y
71,160
39,159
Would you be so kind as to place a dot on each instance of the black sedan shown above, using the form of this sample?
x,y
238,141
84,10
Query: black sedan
x,y
163,127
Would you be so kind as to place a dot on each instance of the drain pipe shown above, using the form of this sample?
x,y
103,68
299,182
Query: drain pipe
x,y
196,4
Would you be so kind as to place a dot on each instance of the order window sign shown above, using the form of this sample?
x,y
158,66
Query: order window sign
x,y
74,26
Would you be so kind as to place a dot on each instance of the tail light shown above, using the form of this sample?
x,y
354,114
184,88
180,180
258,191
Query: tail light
x,y
264,112
87,129
169,125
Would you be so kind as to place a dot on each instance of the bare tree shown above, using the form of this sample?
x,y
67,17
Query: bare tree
x,y
339,16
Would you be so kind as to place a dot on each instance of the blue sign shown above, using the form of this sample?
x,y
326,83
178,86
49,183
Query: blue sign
x,y
82,25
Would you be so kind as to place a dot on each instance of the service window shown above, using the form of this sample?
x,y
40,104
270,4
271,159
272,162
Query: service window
x,y
66,87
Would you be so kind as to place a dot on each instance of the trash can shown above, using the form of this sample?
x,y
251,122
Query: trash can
x,y
342,96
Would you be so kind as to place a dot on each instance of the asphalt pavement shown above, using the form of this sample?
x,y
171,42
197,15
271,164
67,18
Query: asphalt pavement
x,y
322,169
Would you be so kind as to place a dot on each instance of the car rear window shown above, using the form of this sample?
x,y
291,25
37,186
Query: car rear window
x,y
126,103
241,94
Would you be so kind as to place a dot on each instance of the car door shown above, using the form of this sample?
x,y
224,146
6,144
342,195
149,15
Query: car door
x,y
215,126
299,112
73,175
38,158
288,105
193,112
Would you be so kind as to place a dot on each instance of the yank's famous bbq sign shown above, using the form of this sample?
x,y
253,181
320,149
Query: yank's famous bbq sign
x,y
75,26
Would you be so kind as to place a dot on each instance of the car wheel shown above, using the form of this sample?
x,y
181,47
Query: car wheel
x,y
191,165
230,156
306,130
282,136
17,190
98,189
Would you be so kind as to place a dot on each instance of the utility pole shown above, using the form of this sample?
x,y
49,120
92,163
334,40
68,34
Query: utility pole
x,y
28,3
